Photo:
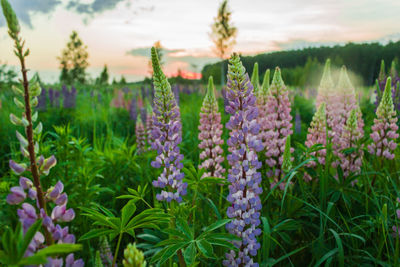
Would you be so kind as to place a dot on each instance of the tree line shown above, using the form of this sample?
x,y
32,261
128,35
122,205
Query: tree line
x,y
299,65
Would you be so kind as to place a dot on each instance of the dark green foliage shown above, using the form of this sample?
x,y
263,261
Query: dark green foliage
x,y
362,59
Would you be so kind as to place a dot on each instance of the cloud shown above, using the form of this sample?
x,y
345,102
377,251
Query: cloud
x,y
145,51
175,59
97,6
25,9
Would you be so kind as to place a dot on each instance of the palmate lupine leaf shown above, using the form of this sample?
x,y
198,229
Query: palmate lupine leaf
x,y
182,237
113,226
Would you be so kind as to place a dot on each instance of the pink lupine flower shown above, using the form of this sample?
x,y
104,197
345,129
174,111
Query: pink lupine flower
x,y
384,133
278,126
210,135
260,101
317,135
140,135
351,161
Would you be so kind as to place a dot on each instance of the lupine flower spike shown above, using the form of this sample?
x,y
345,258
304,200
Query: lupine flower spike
x,y
244,144
317,135
133,257
149,124
343,103
140,135
26,99
210,135
385,127
326,86
278,125
351,162
167,136
260,100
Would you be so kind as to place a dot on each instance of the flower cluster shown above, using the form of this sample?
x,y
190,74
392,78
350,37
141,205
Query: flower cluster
x,y
28,214
326,87
210,135
133,257
317,135
167,136
140,135
149,124
261,93
351,160
384,133
278,125
341,107
244,188
381,85
106,256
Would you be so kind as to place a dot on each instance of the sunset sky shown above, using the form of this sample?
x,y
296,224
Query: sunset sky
x,y
119,32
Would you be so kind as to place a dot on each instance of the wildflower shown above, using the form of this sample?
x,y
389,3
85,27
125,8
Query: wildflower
x,y
133,257
384,133
244,144
317,135
351,160
278,126
210,135
167,136
140,135
149,124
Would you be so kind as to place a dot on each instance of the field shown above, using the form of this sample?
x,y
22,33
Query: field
x,y
163,173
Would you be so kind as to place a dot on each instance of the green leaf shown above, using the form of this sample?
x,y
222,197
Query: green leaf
x,y
216,225
222,243
205,248
96,233
127,211
340,247
190,254
59,249
33,260
30,233
170,251
184,227
326,256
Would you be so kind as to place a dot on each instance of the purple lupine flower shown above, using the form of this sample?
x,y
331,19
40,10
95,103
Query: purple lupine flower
x,y
51,96
396,230
42,100
133,109
278,126
351,162
384,133
69,97
28,214
105,252
140,136
167,136
149,124
56,98
317,135
143,113
297,122
210,135
175,90
244,144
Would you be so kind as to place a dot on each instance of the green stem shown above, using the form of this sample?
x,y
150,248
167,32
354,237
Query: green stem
x,y
117,249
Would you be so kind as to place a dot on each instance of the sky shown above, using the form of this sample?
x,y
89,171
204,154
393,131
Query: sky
x,y
119,33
